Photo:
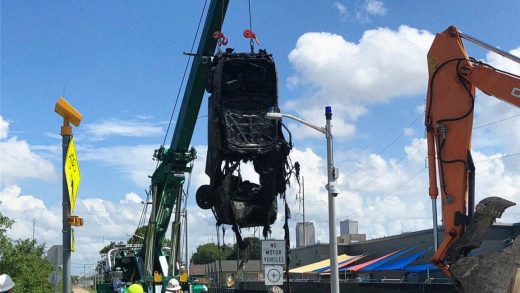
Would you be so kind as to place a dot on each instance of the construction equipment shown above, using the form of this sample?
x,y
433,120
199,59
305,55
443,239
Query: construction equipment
x,y
453,77
174,162
243,88
152,264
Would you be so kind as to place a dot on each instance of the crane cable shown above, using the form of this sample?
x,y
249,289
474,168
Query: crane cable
x,y
248,33
184,75
250,18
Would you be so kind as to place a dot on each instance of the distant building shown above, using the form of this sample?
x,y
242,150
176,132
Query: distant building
x,y
351,238
348,231
348,227
310,235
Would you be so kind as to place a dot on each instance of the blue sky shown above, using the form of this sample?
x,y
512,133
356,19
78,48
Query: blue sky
x,y
120,64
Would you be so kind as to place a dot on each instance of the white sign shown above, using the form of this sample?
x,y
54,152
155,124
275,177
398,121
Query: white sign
x,y
55,255
273,275
273,252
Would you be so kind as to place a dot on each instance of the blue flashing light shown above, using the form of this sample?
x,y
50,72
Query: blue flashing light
x,y
328,110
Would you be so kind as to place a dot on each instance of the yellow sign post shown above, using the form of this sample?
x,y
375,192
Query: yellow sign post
x,y
72,174
70,185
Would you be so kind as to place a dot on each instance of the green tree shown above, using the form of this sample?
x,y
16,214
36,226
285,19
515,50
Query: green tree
x,y
255,247
24,260
138,237
209,252
109,246
5,243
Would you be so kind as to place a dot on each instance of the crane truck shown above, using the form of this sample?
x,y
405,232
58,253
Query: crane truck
x,y
152,264
243,87
453,78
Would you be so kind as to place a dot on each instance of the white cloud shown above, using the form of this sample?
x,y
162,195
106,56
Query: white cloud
x,y
408,131
366,181
375,7
19,161
369,8
135,162
371,71
342,10
420,109
387,199
503,63
349,76
104,221
488,110
117,127
390,204
4,128
131,198
26,208
417,150
496,178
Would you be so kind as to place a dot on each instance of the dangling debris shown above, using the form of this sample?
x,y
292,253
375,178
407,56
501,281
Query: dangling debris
x,y
244,89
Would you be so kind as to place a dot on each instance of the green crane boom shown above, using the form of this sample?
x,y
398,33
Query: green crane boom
x,y
168,178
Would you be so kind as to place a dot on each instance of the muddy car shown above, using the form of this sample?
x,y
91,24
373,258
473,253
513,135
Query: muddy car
x,y
243,89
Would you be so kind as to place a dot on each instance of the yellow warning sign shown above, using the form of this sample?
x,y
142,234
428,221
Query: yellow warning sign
x,y
72,173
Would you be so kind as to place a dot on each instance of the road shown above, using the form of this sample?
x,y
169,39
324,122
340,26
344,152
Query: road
x,y
79,290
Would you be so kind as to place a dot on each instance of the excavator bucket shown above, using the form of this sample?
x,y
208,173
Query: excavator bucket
x,y
493,272
497,272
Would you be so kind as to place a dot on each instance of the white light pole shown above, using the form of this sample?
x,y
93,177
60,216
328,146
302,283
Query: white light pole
x,y
332,174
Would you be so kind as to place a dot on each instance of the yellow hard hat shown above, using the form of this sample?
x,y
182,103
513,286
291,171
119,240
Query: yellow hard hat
x,y
135,288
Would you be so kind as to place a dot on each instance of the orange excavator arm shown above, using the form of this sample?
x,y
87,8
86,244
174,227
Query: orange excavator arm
x,y
453,77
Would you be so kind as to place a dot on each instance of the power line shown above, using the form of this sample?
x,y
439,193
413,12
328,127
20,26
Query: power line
x,y
386,146
500,157
398,187
495,122
380,175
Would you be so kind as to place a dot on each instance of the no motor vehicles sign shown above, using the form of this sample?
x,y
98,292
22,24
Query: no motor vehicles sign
x,y
273,252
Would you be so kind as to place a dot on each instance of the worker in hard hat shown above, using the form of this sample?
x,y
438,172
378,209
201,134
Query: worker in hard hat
x,y
173,286
117,284
6,284
135,288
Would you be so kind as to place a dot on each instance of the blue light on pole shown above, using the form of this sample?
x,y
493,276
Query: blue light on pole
x,y
328,110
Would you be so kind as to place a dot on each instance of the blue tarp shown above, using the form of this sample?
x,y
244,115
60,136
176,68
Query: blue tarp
x,y
400,264
360,266
386,260
421,268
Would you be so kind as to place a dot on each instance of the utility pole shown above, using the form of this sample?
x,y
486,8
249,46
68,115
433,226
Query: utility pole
x,y
303,198
333,192
70,115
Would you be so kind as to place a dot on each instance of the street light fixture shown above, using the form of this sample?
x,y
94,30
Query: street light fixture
x,y
332,175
